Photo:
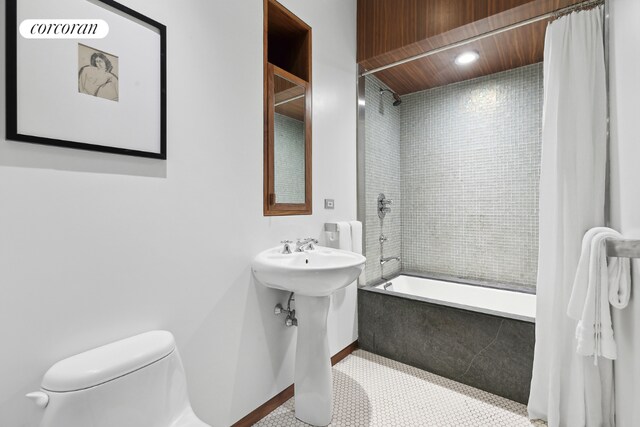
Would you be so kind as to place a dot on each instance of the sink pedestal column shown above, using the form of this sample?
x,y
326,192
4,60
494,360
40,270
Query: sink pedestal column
x,y
312,378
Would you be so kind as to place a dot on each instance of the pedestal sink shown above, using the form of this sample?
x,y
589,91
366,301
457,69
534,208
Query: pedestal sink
x,y
313,275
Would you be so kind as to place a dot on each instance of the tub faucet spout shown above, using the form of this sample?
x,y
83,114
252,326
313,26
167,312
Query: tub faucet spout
x,y
383,261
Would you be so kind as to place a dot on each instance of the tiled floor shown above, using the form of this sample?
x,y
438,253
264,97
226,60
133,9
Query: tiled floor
x,y
371,390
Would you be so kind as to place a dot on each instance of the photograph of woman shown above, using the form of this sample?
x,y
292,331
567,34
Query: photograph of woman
x,y
97,75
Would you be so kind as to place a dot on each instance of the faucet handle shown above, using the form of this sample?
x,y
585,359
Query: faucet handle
x,y
386,202
287,246
312,242
306,240
307,243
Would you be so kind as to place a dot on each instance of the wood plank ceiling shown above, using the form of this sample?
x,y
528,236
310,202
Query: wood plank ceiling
x,y
392,30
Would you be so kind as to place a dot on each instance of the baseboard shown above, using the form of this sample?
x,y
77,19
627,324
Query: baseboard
x,y
286,394
344,352
266,408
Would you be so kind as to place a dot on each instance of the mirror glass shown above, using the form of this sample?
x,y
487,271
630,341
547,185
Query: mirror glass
x,y
289,141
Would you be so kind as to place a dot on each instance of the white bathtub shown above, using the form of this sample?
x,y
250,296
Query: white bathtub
x,y
498,302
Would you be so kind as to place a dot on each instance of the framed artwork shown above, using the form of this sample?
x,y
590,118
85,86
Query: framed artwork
x,y
101,94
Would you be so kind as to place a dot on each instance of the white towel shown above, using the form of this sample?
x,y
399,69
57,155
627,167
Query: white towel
x,y
619,282
356,236
340,239
356,244
344,236
589,303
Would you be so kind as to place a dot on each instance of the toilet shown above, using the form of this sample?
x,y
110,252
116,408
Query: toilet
x,y
135,382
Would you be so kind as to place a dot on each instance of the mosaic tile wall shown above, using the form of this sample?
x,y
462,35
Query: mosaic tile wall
x,y
382,169
289,159
470,162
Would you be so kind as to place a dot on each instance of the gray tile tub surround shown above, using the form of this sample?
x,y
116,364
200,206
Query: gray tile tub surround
x,y
491,353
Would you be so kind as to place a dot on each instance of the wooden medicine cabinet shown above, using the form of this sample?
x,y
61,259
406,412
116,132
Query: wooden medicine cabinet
x,y
287,112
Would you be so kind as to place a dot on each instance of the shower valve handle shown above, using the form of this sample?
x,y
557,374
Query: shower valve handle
x,y
383,205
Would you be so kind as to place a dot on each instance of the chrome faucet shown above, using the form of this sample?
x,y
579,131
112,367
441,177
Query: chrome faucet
x,y
383,261
306,244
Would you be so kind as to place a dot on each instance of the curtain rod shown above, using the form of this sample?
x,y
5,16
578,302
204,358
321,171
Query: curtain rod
x,y
555,13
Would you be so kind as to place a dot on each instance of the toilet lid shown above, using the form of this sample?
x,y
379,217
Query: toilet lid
x,y
108,362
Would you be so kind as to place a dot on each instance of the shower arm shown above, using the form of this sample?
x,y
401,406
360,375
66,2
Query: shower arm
x,y
396,98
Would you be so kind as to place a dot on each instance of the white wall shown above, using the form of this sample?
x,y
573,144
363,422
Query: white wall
x,y
96,247
625,197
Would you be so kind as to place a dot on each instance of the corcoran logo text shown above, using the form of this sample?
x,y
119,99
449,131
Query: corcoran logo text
x,y
64,28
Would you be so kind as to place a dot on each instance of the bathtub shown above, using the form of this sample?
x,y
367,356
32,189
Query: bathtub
x,y
483,337
498,302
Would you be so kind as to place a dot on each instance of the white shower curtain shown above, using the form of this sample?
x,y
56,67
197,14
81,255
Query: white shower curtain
x,y
567,389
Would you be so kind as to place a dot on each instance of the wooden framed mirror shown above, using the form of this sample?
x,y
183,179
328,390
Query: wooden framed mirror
x,y
288,147
287,112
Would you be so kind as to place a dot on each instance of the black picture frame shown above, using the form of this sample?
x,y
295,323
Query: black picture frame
x,y
12,95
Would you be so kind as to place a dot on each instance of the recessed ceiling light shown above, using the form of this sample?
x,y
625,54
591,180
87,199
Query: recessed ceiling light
x,y
467,57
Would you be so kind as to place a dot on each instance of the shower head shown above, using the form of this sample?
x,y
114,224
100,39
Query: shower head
x,y
397,100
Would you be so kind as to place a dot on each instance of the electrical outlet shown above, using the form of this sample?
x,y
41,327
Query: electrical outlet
x,y
328,204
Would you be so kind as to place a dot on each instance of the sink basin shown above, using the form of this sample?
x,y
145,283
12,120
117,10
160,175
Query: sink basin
x,y
313,276
317,272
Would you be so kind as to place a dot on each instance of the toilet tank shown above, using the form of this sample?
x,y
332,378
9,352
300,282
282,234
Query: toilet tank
x,y
136,382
